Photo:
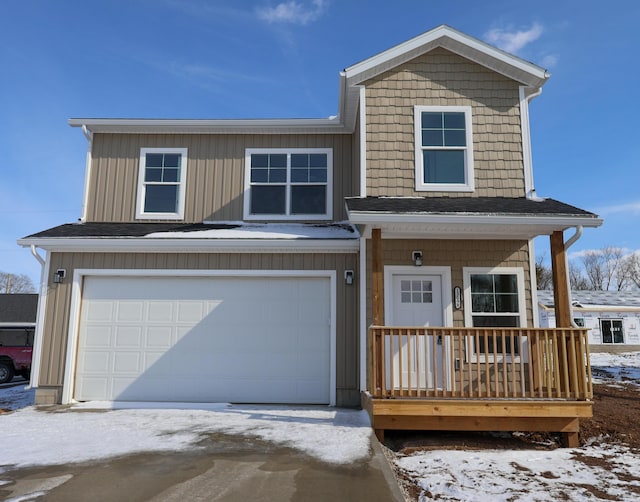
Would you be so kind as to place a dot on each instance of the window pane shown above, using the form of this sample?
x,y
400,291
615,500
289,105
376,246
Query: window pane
x,y
277,175
300,160
172,159
454,120
506,283
318,160
278,160
259,160
432,138
405,285
259,175
482,283
432,120
308,199
300,175
153,174
318,175
405,297
170,175
483,302
506,303
444,166
482,321
161,199
268,199
153,160
455,138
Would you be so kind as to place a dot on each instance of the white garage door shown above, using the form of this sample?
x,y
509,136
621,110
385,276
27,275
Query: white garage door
x,y
214,339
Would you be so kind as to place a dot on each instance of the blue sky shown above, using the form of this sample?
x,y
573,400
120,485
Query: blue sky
x,y
266,58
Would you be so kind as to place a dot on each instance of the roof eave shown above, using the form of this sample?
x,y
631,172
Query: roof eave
x,y
444,36
195,245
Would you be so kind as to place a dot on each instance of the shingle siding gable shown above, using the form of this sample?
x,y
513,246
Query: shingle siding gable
x,y
443,78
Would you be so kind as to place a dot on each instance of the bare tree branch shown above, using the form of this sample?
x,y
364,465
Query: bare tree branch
x,y
15,283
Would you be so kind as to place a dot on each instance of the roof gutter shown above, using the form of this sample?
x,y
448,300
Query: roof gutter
x,y
87,172
526,95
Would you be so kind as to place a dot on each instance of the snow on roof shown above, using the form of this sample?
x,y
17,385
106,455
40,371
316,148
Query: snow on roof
x,y
267,231
594,299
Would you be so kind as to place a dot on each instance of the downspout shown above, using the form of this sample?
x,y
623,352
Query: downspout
x,y
42,302
570,242
87,174
525,127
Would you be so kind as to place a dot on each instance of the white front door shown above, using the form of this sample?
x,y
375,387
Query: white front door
x,y
416,299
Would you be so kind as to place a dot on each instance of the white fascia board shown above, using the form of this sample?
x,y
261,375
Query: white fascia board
x,y
147,245
468,46
334,125
561,222
17,324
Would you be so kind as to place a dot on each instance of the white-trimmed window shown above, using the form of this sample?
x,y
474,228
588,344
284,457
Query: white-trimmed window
x,y
161,183
443,148
289,183
494,298
612,330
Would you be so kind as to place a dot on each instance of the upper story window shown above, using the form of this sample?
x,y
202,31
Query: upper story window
x,y
161,183
444,148
288,184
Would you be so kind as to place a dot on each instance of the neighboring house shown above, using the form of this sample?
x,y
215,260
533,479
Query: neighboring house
x,y
612,317
245,260
17,318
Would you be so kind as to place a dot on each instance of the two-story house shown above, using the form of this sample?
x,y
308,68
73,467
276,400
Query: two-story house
x,y
384,256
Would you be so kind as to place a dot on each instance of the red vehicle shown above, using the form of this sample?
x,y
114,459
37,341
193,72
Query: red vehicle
x,y
15,360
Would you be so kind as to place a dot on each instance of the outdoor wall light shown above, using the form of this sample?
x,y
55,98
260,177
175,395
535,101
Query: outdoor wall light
x,y
416,256
59,276
348,277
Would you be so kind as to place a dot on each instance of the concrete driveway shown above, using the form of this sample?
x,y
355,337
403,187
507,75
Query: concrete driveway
x,y
226,468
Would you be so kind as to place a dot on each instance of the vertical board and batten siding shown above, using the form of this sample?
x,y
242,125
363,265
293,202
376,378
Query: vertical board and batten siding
x,y
215,172
443,78
456,254
56,326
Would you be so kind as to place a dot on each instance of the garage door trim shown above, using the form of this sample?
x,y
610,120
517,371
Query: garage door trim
x,y
76,303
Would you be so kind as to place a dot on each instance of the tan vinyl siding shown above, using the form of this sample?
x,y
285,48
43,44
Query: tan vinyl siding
x,y
215,172
56,327
456,254
444,79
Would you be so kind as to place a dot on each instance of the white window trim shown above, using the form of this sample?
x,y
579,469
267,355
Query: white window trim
x,y
467,272
281,217
421,186
179,215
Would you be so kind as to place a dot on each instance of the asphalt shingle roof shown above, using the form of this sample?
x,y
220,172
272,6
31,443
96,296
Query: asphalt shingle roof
x,y
465,205
604,298
18,308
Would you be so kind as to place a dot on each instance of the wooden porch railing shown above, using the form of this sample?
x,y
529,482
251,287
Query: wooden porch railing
x,y
509,363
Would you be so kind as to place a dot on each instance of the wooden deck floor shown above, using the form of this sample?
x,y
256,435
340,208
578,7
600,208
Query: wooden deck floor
x,y
478,415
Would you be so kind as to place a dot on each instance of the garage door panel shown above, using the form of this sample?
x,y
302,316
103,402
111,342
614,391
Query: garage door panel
x,y
242,339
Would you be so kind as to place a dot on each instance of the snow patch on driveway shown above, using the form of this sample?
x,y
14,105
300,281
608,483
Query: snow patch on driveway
x,y
34,437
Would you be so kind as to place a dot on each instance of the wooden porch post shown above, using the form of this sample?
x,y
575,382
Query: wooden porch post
x,y
377,281
563,315
560,283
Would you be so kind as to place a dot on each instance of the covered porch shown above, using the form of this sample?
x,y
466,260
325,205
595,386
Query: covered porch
x,y
460,370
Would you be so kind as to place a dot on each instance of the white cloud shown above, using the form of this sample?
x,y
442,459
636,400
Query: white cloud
x,y
549,61
630,208
513,41
293,12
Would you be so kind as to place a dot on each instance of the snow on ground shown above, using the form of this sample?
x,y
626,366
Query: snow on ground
x,y
534,475
35,437
616,368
